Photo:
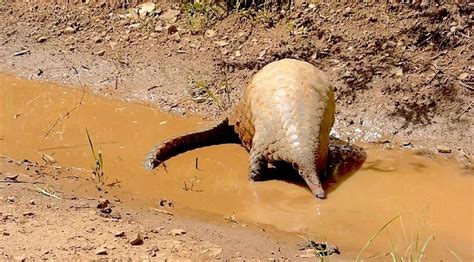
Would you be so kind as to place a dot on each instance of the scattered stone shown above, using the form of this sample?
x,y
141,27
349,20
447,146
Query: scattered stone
x,y
170,15
463,76
22,52
101,52
443,149
177,232
28,214
221,43
172,29
397,71
214,251
11,177
69,30
20,258
146,8
152,251
103,203
162,211
166,203
106,210
42,39
101,251
210,33
157,230
138,240
97,39
119,234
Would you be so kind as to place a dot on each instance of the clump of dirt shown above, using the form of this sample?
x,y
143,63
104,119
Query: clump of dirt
x,y
400,71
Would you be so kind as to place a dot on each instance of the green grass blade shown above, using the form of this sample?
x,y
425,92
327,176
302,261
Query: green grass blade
x,y
90,144
210,94
375,236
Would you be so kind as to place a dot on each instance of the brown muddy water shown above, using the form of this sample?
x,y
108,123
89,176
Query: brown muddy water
x,y
434,196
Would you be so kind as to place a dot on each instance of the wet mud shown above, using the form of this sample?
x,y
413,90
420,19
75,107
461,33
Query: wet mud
x,y
434,196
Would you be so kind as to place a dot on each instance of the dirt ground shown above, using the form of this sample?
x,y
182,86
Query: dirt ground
x,y
401,73
41,223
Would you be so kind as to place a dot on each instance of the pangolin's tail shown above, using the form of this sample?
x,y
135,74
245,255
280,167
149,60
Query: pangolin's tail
x,y
219,134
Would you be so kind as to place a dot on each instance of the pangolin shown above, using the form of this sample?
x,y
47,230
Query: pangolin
x,y
284,115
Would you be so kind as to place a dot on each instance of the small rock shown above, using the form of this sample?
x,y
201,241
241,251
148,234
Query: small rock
x,y
138,240
101,251
221,43
5,233
177,232
152,251
214,252
237,53
42,39
20,258
10,199
101,52
443,149
157,230
97,39
172,29
406,143
103,203
210,33
146,8
28,214
170,15
463,76
11,177
119,234
69,30
397,71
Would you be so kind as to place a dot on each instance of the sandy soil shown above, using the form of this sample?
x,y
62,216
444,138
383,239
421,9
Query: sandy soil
x,y
401,73
62,224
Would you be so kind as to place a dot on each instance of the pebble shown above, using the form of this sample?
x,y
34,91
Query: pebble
x,y
97,39
103,203
28,214
101,251
210,33
463,76
177,232
69,30
42,39
19,258
120,234
443,149
138,240
221,43
101,52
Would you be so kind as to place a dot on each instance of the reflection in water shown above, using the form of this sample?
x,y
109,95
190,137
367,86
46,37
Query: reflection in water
x,y
358,204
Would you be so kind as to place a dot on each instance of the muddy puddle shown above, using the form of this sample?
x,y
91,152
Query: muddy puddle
x,y
435,197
